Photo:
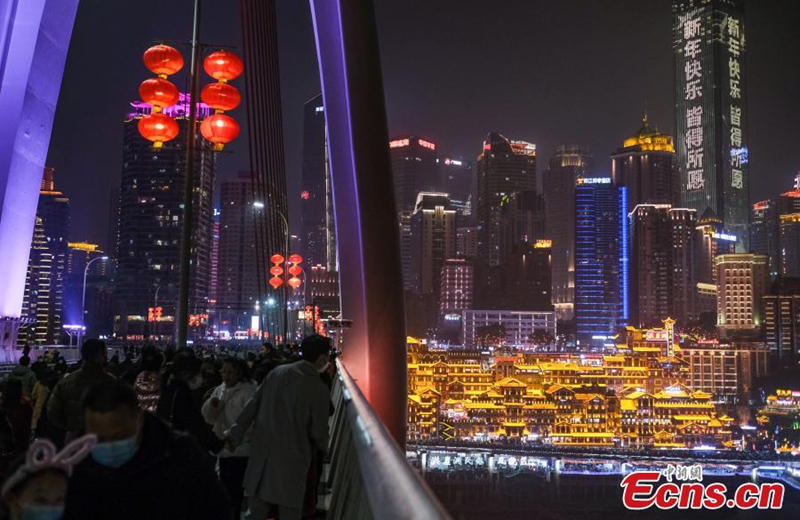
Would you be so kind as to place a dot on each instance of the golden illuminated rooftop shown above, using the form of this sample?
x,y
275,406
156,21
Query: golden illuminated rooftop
x,y
83,246
649,140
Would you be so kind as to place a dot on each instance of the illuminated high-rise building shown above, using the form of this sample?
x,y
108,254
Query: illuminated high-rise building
x,y
789,201
237,270
765,234
466,240
601,259
782,323
414,169
790,244
662,265
150,222
457,179
742,281
558,188
47,267
647,165
456,293
709,47
316,196
505,166
433,240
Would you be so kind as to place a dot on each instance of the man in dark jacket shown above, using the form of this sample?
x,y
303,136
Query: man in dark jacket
x,y
64,408
24,375
140,469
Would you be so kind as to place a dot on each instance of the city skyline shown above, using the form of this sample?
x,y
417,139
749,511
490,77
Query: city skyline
x,y
597,113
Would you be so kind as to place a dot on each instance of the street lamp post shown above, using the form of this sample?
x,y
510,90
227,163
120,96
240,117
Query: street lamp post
x,y
260,205
188,196
83,297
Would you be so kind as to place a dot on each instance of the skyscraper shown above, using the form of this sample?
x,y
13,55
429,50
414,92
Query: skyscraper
x,y
647,165
433,226
265,131
414,169
457,179
317,226
765,234
521,221
98,318
150,222
790,244
528,277
47,266
456,293
505,166
601,258
662,265
743,280
711,109
238,271
558,188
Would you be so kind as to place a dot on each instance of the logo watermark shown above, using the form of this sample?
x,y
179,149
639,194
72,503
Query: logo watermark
x,y
683,488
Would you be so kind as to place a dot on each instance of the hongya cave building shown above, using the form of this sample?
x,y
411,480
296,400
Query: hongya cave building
x,y
635,398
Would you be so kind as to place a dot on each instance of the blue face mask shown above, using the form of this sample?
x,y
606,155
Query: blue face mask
x,y
115,454
39,512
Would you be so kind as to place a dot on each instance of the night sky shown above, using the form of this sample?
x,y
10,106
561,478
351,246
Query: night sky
x,y
550,72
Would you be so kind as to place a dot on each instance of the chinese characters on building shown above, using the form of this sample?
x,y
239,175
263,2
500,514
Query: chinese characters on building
x,y
693,94
738,153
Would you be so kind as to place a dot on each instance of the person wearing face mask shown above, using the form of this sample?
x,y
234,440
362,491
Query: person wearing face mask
x,y
64,406
221,410
140,469
178,404
289,417
37,485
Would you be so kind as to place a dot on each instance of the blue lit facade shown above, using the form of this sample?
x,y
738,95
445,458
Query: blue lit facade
x,y
601,259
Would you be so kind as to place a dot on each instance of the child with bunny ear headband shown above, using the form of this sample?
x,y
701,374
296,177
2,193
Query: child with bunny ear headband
x,y
37,489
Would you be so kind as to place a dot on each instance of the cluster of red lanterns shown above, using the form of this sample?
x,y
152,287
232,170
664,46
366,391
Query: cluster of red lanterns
x,y
218,128
160,93
294,270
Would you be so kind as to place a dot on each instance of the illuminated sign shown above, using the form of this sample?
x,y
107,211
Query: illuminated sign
x,y
693,93
656,335
398,143
304,194
426,144
83,246
724,236
735,37
543,244
452,317
762,205
454,162
594,180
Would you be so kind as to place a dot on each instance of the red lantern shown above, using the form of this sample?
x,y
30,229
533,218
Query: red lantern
x,y
275,282
276,259
295,270
220,130
223,65
159,93
158,128
294,282
163,60
276,271
221,96
296,259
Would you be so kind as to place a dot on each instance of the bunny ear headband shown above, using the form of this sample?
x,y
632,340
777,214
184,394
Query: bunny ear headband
x,y
42,455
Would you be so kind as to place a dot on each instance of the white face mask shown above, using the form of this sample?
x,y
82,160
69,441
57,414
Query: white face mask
x,y
324,368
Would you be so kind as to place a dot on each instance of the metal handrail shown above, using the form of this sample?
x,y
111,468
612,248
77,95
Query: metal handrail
x,y
371,478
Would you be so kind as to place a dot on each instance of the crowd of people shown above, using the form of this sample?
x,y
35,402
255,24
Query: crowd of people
x,y
201,434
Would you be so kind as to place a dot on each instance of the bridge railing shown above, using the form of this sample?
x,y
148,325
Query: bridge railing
x,y
370,477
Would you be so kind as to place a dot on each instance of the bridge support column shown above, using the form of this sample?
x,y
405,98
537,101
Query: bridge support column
x,y
363,196
34,37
